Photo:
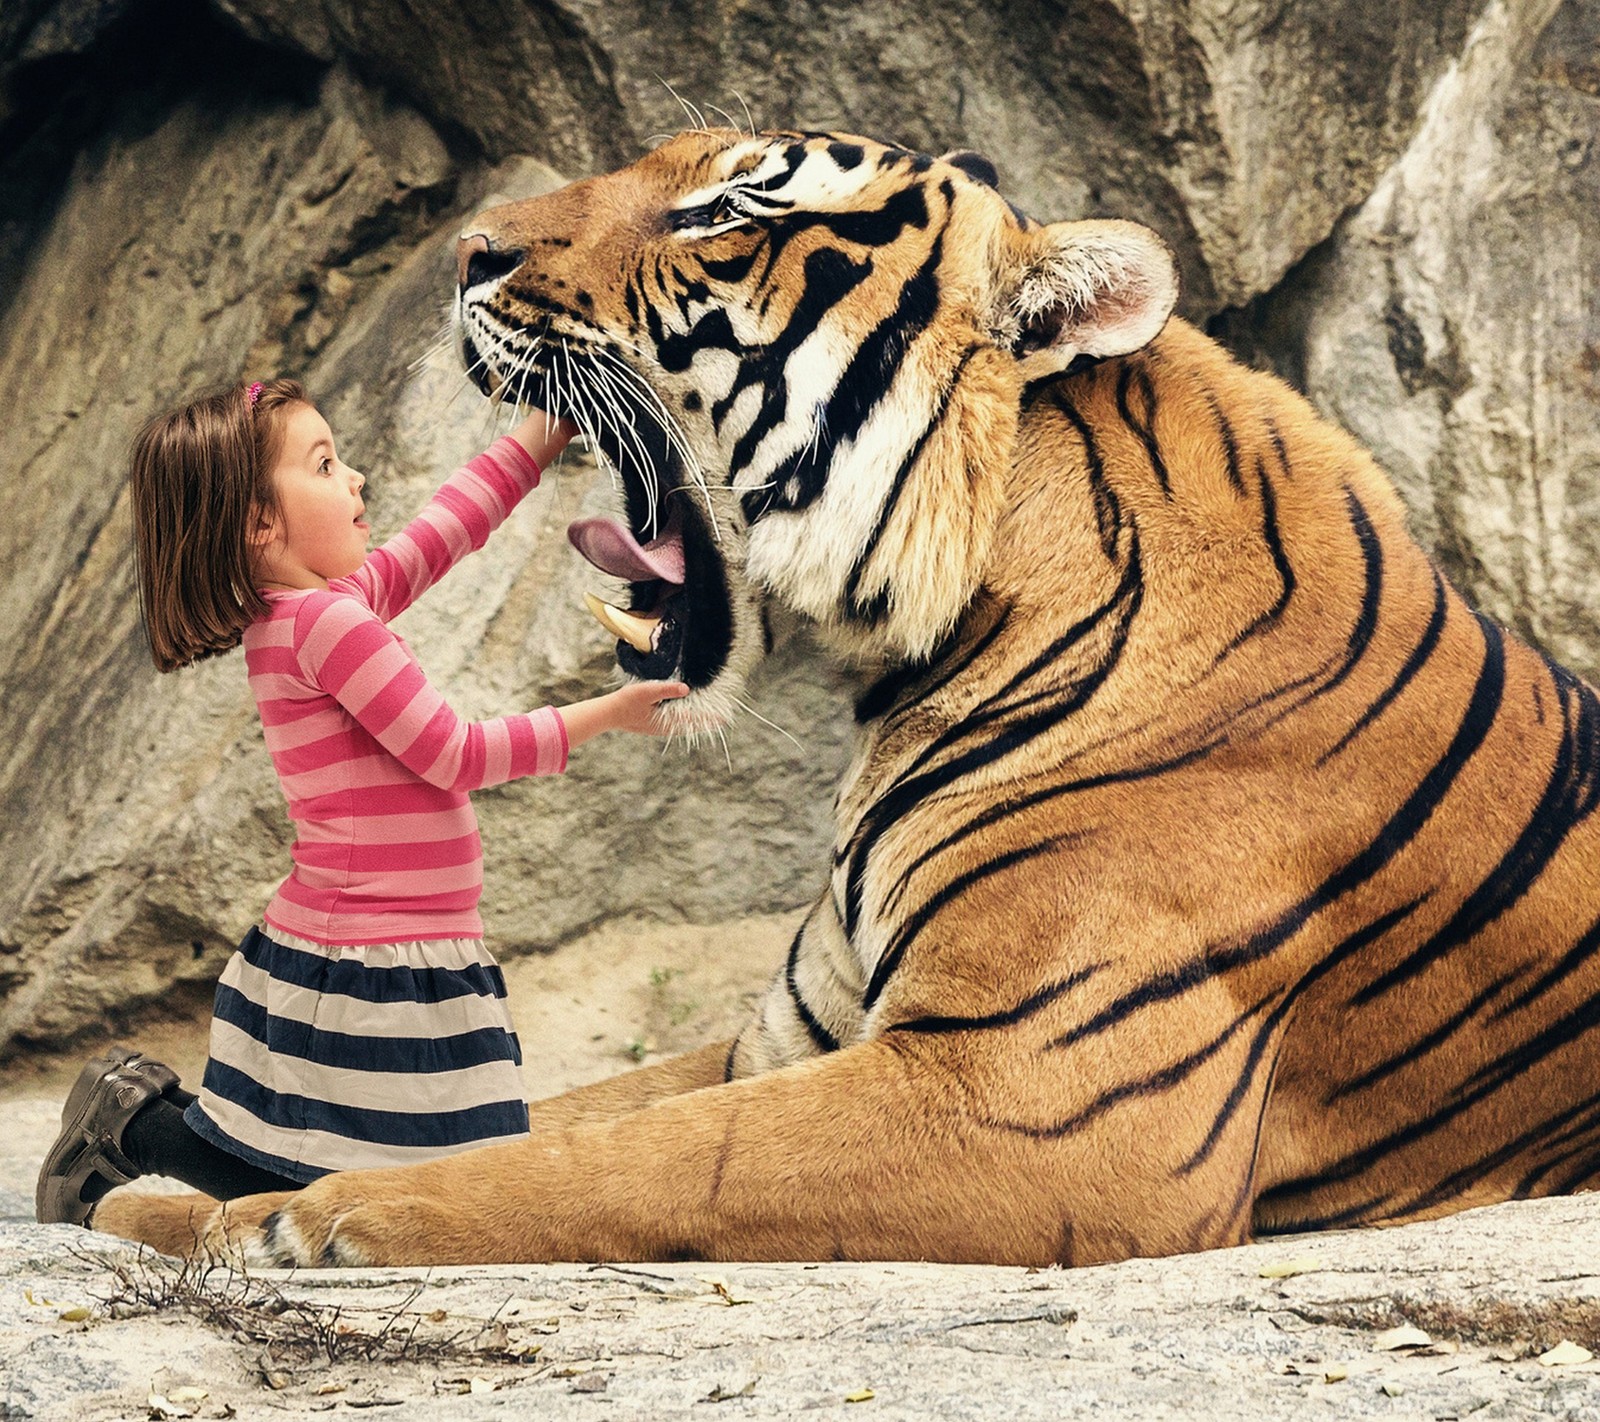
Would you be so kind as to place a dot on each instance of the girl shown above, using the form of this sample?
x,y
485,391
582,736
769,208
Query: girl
x,y
363,1022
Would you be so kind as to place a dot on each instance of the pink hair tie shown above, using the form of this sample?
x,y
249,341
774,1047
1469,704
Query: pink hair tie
x,y
255,394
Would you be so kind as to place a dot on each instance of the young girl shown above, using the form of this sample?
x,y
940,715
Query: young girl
x,y
363,1022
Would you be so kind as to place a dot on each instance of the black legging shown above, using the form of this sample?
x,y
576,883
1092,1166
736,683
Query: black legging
x,y
160,1142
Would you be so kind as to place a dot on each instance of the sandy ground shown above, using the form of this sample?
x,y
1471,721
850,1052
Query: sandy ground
x,y
627,995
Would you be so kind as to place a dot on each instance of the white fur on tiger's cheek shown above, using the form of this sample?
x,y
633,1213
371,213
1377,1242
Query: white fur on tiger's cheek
x,y
808,558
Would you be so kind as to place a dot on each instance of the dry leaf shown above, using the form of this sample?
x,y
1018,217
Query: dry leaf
x,y
438,1316
327,1389
480,1385
720,1287
718,1394
188,1396
162,1408
1337,1373
1565,1354
76,1315
1391,1390
1403,1337
1288,1268
865,1394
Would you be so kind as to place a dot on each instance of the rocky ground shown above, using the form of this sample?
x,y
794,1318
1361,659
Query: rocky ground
x,y
1493,1302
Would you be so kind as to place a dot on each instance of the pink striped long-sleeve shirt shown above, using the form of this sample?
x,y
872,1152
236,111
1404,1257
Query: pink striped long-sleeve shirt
x,y
374,764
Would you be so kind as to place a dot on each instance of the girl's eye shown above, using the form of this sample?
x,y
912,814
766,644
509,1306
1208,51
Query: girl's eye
x,y
324,465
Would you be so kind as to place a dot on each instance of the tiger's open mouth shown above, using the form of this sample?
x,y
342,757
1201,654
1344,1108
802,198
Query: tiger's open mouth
x,y
678,622
650,634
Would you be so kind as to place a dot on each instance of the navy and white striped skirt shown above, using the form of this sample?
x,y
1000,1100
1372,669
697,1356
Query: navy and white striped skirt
x,y
344,1058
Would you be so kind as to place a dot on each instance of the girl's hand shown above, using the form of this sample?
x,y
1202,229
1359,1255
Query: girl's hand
x,y
543,436
632,708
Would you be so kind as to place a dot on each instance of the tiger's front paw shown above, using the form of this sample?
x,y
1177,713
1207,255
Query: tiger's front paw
x,y
356,1220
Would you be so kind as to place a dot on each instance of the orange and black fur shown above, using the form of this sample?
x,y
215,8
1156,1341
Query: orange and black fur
x,y
1207,866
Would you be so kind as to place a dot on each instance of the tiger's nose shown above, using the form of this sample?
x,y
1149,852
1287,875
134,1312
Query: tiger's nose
x,y
478,260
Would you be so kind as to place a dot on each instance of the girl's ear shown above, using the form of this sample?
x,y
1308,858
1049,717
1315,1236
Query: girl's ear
x,y
1082,288
263,528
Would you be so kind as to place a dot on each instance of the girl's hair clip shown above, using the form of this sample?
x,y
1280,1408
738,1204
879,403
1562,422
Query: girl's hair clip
x,y
255,394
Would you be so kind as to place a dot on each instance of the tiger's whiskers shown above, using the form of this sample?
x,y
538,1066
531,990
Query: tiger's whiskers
x,y
775,726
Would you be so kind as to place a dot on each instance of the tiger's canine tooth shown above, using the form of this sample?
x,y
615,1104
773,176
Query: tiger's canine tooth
x,y
634,628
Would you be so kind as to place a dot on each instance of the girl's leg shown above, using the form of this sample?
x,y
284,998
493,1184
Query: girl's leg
x,y
160,1142
121,1121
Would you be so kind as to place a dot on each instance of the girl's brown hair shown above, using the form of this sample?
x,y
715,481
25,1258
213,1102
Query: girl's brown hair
x,y
201,480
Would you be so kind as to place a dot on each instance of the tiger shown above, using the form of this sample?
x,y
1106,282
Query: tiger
x,y
1206,866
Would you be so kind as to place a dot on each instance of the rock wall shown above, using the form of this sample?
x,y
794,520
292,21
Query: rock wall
x,y
1393,207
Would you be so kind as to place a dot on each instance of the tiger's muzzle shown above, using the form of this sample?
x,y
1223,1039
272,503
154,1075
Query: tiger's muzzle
x,y
678,618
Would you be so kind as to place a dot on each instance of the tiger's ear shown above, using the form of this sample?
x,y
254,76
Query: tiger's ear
x,y
1082,288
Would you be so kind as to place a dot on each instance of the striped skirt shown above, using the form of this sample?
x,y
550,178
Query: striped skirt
x,y
344,1058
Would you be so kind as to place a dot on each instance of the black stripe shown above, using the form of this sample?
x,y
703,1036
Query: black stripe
x,y
1107,510
1230,445
1359,1213
1415,1051
860,389
1366,622
1347,949
1569,797
1020,804
1484,1083
822,1039
1282,449
1485,1166
890,961
1150,1085
882,695
1273,538
730,269
912,787
1333,669
350,978
348,1051
1401,828
873,612
1414,663
1125,601
1587,1154
1559,972
1134,370
1037,1002
456,1127
1505,1068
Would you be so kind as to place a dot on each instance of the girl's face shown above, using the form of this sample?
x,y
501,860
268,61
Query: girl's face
x,y
318,532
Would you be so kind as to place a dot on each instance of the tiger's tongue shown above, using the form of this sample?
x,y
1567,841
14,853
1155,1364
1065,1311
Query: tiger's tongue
x,y
613,549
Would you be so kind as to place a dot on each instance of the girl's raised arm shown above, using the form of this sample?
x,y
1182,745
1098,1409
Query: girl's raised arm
x,y
458,519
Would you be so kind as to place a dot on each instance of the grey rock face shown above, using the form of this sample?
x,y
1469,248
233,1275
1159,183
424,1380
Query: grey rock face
x,y
1394,206
1240,131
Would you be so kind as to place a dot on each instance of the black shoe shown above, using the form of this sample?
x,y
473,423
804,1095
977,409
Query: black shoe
x,y
109,1092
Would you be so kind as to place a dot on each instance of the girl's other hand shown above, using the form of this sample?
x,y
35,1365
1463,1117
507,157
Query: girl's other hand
x,y
543,436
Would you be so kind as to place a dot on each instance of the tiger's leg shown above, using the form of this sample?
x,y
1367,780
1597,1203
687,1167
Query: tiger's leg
x,y
885,1150
631,1090
179,1224
183,1224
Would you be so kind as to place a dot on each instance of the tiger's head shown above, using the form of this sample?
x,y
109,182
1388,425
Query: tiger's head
x,y
805,354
